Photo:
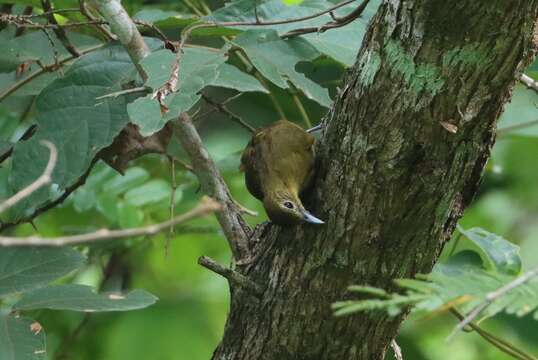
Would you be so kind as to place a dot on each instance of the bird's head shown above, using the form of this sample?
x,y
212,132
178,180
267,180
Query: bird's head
x,y
285,208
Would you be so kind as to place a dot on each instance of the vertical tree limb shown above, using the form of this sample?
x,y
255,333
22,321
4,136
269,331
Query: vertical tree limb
x,y
233,225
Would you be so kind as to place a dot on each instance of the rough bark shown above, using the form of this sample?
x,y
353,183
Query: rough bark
x,y
393,176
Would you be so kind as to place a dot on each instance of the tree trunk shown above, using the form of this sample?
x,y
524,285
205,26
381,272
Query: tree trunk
x,y
401,156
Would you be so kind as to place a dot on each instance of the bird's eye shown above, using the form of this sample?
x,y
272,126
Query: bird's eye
x,y
288,204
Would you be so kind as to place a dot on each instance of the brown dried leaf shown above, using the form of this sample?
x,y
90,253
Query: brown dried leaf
x,y
451,128
36,327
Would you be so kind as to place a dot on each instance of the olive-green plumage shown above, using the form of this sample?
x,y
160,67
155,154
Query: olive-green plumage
x,y
279,164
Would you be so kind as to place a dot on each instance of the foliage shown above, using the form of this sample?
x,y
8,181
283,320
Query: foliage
x,y
272,75
463,281
26,274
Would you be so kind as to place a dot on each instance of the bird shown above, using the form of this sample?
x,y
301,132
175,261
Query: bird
x,y
279,164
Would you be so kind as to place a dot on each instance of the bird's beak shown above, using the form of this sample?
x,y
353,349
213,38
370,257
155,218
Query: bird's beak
x,y
308,217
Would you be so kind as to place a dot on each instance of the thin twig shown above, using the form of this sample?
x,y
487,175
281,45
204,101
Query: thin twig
x,y
22,22
491,297
60,32
51,11
233,277
123,92
205,207
500,344
40,210
285,21
396,349
54,66
172,206
102,28
302,110
505,130
42,71
194,9
41,181
335,23
167,43
256,16
28,133
529,82
222,108
262,81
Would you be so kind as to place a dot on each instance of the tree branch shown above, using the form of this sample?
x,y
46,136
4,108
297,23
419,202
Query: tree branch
x,y
206,206
500,344
233,277
212,183
59,31
124,27
529,82
41,181
222,108
336,23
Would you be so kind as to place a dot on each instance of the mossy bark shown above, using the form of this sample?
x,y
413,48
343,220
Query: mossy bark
x,y
401,156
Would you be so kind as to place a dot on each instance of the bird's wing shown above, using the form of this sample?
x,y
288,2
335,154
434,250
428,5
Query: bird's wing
x,y
292,151
250,157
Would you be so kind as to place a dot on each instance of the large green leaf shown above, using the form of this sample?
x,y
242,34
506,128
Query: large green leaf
x,y
33,46
133,177
232,78
198,68
342,44
23,269
21,338
151,192
70,116
83,298
497,253
276,59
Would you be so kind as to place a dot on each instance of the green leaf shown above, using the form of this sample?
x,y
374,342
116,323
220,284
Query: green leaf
x,y
119,184
21,338
33,46
452,284
198,68
23,269
232,78
496,252
272,10
129,216
108,206
83,298
276,59
172,19
342,44
84,199
69,115
151,192
520,115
